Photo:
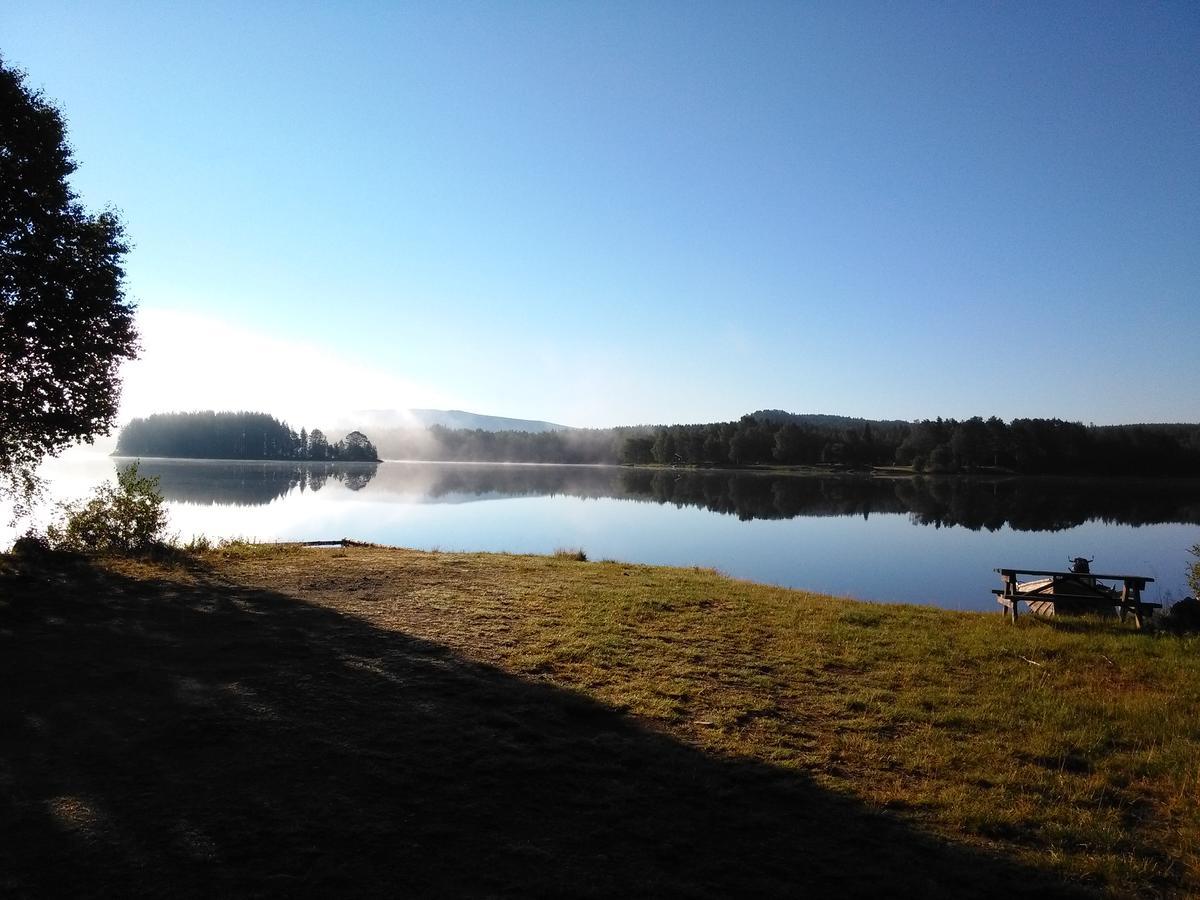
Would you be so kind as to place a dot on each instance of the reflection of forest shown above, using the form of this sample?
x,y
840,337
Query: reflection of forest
x,y
248,483
480,481
1025,504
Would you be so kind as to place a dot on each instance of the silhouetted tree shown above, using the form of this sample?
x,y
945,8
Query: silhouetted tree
x,y
65,325
318,446
358,448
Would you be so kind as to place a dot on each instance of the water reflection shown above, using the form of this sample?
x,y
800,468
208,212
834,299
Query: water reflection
x,y
1024,504
238,483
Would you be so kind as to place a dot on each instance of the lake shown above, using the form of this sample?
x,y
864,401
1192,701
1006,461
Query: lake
x,y
913,540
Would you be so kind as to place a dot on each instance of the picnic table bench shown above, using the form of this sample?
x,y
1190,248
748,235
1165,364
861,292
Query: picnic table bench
x,y
1076,590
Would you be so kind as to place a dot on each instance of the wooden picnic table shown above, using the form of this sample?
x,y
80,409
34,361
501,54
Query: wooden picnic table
x,y
1079,590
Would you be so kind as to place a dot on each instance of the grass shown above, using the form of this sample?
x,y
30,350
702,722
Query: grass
x,y
591,729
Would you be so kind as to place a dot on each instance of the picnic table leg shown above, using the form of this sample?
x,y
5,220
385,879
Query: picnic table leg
x,y
1137,606
1131,602
1010,594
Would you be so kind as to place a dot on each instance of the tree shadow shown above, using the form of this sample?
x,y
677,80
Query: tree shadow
x,y
163,738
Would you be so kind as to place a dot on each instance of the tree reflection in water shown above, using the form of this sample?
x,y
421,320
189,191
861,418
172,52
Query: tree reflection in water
x,y
238,483
1024,504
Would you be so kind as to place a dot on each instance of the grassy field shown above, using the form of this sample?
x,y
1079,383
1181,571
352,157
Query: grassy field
x,y
373,722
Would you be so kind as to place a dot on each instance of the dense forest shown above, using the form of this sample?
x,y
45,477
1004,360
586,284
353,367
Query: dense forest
x,y
237,435
764,438
771,437
1025,446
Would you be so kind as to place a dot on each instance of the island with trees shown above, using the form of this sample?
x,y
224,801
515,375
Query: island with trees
x,y
237,435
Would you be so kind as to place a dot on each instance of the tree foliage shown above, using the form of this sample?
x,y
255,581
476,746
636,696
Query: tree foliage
x,y
65,325
357,447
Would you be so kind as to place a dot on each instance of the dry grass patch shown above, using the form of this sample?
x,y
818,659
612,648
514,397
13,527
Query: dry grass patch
x,y
1075,745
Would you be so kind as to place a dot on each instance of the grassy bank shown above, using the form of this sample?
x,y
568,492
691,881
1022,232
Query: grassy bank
x,y
284,720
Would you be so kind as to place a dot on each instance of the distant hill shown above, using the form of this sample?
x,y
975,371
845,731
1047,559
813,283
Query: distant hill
x,y
447,418
457,418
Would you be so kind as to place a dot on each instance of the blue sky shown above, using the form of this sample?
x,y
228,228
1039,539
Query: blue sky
x,y
646,212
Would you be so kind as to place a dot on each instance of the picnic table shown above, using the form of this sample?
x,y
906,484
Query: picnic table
x,y
1077,591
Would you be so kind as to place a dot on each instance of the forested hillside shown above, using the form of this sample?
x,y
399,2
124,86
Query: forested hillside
x,y
236,435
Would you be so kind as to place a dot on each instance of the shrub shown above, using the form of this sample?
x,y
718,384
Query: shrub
x,y
575,553
200,543
127,517
31,545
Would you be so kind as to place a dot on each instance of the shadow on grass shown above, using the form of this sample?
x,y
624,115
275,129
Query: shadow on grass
x,y
207,739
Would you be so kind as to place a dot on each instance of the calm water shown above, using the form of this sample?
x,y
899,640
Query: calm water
x,y
912,540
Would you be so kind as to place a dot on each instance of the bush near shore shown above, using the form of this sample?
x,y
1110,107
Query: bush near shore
x,y
272,719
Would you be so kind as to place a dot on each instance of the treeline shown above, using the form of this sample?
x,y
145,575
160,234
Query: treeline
x,y
237,435
764,438
941,446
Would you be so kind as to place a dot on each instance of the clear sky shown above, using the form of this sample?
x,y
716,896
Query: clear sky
x,y
606,213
